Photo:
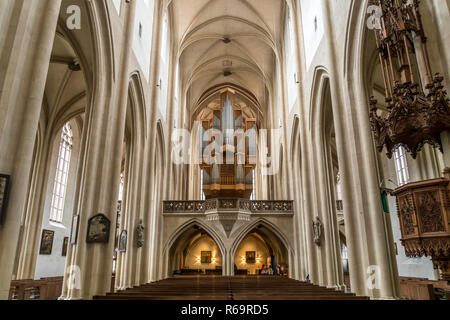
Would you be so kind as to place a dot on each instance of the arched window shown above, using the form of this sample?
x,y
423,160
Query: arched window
x,y
253,195
202,194
344,257
401,166
164,65
339,195
117,5
291,63
62,173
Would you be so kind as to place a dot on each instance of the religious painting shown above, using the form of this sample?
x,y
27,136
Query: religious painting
x,y
47,242
98,229
64,247
206,257
250,257
74,232
4,183
123,241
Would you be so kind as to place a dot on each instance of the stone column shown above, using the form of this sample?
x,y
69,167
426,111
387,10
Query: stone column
x,y
286,173
303,225
441,15
147,258
445,138
228,263
322,202
311,263
333,276
32,219
104,132
171,171
126,274
335,273
352,216
26,40
369,232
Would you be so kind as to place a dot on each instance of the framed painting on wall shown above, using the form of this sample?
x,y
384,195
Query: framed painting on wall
x,y
64,247
123,241
74,231
98,229
206,257
250,257
4,184
47,242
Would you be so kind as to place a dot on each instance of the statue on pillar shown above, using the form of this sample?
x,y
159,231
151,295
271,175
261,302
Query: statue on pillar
x,y
317,231
140,234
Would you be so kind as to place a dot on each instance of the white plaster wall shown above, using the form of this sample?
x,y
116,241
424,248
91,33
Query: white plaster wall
x,y
203,244
251,243
117,5
312,9
142,45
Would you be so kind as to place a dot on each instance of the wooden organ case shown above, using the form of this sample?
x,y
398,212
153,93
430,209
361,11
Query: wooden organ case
x,y
228,150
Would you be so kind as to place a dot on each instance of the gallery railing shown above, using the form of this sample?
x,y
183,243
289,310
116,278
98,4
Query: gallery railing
x,y
254,206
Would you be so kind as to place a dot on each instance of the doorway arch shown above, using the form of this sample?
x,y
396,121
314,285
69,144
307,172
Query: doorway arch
x,y
269,245
184,250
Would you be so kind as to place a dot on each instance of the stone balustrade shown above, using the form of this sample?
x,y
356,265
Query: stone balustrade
x,y
253,206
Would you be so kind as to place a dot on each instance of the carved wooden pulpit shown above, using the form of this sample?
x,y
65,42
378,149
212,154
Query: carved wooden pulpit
x,y
424,214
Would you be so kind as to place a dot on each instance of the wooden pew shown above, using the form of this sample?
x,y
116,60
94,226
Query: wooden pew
x,y
43,289
413,288
229,288
17,290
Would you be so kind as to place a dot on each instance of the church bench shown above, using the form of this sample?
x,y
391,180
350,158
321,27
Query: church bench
x,y
241,272
310,297
17,289
26,289
230,288
179,292
423,289
418,291
185,298
43,289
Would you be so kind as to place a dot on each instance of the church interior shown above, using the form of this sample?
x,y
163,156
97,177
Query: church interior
x,y
224,149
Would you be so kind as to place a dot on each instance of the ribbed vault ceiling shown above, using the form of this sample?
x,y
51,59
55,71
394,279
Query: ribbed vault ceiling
x,y
254,28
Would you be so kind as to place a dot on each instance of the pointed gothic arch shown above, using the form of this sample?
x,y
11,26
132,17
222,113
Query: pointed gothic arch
x,y
194,224
273,234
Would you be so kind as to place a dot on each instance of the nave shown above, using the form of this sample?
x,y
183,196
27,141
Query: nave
x,y
142,139
230,288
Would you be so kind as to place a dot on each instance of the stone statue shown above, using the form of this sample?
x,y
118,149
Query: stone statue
x,y
140,234
317,231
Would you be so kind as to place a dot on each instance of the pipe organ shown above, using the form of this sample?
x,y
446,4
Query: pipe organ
x,y
228,150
